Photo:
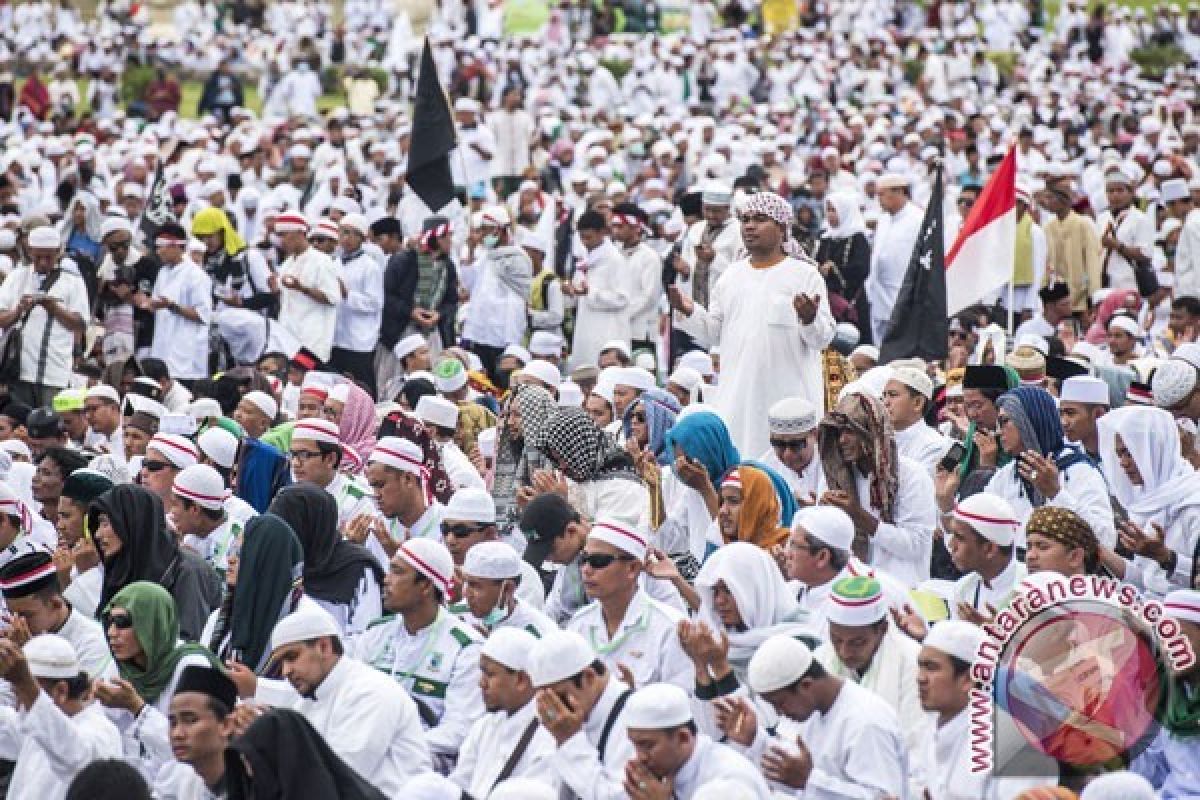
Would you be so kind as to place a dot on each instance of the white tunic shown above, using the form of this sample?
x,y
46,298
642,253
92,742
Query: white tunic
x,y
603,312
895,237
490,743
903,547
944,762
711,761
1083,491
806,486
359,315
181,343
644,269
55,369
308,320
646,641
922,444
753,319
579,765
54,747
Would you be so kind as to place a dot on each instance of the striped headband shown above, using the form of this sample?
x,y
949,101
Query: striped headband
x,y
291,222
435,232
734,478
181,452
200,497
619,537
18,509
389,452
32,576
316,430
443,581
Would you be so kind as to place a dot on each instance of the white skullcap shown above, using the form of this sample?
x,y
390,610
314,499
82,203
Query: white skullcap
x,y
52,656
263,402
45,237
449,375
957,638
893,180
914,379
620,345
856,602
409,345
990,516
103,391
518,352
1183,604
355,222
204,408
635,377
497,216
792,415
431,786
1038,343
1119,786
1084,389
474,505
339,392
1175,189
645,361
545,343
657,707
1124,323
487,442
716,194
15,447
524,789
697,360
175,448
495,561
830,525
304,624
1189,352
202,485
778,663
1172,383
399,453
867,351
543,371
685,378
437,411
430,558
8,239
316,429
113,224
219,445
620,536
559,655
508,646
569,395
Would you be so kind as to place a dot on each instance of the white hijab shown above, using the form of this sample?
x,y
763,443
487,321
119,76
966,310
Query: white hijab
x,y
1169,482
850,218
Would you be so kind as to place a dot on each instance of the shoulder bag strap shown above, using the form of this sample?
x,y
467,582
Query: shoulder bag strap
x,y
44,348
611,721
518,753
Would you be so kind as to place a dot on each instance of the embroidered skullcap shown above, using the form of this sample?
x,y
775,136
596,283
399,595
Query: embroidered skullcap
x,y
856,602
914,379
1119,786
1063,526
792,415
495,561
1172,383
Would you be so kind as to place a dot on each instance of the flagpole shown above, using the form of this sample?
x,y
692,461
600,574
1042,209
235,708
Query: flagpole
x,y
1011,294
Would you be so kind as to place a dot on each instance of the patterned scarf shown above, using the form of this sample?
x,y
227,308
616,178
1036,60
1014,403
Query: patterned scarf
x,y
583,451
404,425
778,209
866,416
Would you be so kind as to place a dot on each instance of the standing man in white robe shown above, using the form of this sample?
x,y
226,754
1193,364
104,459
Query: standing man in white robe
x,y
182,308
769,308
895,237
310,289
602,289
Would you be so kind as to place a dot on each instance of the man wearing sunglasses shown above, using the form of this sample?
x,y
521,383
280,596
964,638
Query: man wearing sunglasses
x,y
468,521
625,626
167,455
792,423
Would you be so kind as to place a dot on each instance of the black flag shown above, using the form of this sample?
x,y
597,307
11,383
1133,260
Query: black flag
x,y
918,327
432,138
158,211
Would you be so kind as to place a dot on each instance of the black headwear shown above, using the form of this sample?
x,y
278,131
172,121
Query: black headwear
x,y
290,761
85,485
148,549
27,574
333,567
209,681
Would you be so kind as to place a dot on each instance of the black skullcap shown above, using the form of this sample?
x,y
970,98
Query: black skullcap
x,y
986,377
1063,368
386,226
1054,292
85,485
16,411
43,423
210,681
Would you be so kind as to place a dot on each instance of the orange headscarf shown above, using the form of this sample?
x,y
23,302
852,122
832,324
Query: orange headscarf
x,y
758,520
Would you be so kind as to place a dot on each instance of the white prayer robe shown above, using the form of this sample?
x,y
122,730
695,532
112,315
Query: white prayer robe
x,y
181,343
54,747
647,641
644,270
753,320
922,444
903,548
943,760
711,761
807,486
1083,491
603,312
579,765
308,320
1187,257
366,718
490,743
975,592
895,237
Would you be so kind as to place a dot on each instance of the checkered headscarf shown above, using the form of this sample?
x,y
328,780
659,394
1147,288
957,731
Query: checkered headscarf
x,y
777,209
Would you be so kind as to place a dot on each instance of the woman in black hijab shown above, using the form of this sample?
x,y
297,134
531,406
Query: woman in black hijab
x,y
342,576
282,757
130,531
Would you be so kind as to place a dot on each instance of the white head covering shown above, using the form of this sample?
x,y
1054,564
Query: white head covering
x,y
830,525
509,646
990,516
956,637
51,656
1169,482
263,402
778,663
1118,786
621,536
658,706
559,655
850,218
304,624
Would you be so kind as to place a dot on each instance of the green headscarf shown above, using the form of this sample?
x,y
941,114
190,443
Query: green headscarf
x,y
272,561
1180,713
156,626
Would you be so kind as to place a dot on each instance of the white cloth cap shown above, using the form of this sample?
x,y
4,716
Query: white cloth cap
x,y
559,655
1119,786
635,377
102,391
1084,389
52,656
543,371
113,224
204,408
686,378
1183,604
990,516
956,637
867,351
487,442
792,415
437,411
856,602
496,216
697,360
339,392
620,345
473,505
657,707
778,663
316,429
263,402
202,485
400,454
431,559
355,222
914,379
175,448
520,353
524,789
304,624
830,525
1189,352
45,237
620,536
495,561
716,194
1175,189
545,343
893,180
219,445
409,345
509,646
1124,323
570,395
1172,383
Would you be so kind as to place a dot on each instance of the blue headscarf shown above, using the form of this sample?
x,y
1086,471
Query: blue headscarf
x,y
704,437
661,408
1034,413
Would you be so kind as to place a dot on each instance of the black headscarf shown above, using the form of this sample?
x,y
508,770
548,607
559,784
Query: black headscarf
x,y
290,761
148,552
333,567
582,450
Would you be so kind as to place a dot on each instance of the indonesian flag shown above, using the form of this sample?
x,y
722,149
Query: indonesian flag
x,y
981,259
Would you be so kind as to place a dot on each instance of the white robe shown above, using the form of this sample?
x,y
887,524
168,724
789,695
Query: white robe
x,y
903,547
944,763
54,747
1083,491
490,743
603,312
769,350
895,237
922,444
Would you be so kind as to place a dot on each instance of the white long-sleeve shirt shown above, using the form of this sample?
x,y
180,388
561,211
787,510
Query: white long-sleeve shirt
x,y
310,321
922,444
603,312
492,740
360,313
646,642
580,766
180,342
895,237
1134,228
644,269
1187,257
54,747
903,548
1083,491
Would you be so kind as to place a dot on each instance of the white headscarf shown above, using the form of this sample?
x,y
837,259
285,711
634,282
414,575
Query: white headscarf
x,y
850,218
763,600
1169,482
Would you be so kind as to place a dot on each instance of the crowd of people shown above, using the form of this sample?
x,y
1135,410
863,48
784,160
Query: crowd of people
x,y
593,483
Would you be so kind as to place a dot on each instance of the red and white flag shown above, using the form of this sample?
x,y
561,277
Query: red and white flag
x,y
981,259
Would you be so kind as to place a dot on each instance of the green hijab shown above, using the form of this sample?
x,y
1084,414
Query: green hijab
x,y
156,626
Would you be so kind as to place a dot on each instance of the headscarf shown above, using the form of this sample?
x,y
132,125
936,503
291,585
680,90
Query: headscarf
x,y
536,406
333,566
356,429
703,436
1065,527
760,520
273,561
407,426
156,626
1035,414
1169,482
778,209
148,551
661,409
93,219
850,218
212,219
1117,300
585,452
866,416
288,759
766,605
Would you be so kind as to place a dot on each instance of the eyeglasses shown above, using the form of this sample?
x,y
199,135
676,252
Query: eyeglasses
x,y
154,466
601,560
790,444
121,622
461,530
304,455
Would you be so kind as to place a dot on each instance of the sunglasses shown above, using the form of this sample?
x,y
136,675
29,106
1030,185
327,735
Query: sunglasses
x,y
121,622
601,560
789,444
154,466
461,530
